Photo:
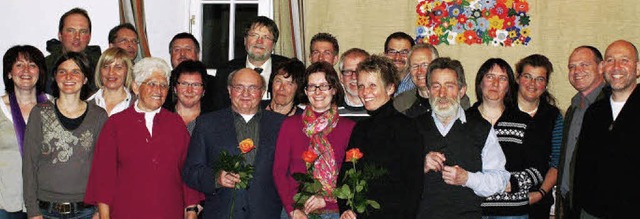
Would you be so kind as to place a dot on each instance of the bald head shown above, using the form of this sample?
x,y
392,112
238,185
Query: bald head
x,y
621,68
246,88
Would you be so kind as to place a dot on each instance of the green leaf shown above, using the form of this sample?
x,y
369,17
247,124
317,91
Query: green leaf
x,y
360,208
374,204
343,192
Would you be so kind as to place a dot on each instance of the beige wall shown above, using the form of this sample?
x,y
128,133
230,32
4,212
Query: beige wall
x,y
557,26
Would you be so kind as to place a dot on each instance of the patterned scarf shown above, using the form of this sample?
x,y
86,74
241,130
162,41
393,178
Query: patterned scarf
x,y
317,128
18,121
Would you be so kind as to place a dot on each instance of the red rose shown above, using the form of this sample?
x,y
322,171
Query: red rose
x,y
353,155
309,156
246,145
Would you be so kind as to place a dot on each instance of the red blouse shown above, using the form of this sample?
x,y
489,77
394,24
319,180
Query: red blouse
x,y
138,175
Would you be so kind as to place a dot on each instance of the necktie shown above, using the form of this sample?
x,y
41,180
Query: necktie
x,y
259,70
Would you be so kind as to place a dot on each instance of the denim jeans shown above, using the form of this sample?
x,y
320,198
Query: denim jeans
x,y
86,213
12,215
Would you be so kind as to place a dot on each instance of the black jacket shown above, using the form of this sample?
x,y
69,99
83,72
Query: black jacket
x,y
389,140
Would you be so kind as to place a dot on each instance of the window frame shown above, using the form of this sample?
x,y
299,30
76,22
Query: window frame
x,y
265,8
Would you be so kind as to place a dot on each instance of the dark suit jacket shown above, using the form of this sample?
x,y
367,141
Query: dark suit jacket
x,y
607,155
219,87
214,132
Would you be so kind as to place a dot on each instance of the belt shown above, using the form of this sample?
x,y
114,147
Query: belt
x,y
63,207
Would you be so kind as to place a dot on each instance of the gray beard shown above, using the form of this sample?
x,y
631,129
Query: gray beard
x,y
254,57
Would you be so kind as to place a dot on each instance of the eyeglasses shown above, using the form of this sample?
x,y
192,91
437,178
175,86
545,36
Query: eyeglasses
x,y
348,72
252,89
125,41
153,84
194,85
256,36
322,87
393,52
424,65
538,80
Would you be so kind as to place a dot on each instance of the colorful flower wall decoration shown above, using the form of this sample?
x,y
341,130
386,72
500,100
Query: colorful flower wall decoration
x,y
494,22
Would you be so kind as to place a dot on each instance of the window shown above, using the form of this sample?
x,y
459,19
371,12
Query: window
x,y
219,26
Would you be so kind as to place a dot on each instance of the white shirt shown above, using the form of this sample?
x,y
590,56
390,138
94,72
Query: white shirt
x,y
616,107
494,177
148,117
266,74
101,102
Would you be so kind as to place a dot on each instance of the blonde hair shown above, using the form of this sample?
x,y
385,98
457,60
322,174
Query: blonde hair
x,y
112,55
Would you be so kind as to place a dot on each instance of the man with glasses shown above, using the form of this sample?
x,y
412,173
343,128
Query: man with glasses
x,y
397,47
260,36
415,101
324,47
352,107
125,36
74,34
222,130
182,47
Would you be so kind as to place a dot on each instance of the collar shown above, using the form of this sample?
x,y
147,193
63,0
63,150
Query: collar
x,y
349,104
135,106
99,97
264,67
246,117
460,115
590,98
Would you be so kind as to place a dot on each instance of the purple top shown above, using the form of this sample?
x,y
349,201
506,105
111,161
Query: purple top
x,y
291,143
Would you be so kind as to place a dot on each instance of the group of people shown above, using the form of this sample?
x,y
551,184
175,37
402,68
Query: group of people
x,y
89,134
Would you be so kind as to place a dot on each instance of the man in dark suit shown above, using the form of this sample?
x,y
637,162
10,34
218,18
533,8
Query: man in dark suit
x,y
222,130
259,38
587,79
608,141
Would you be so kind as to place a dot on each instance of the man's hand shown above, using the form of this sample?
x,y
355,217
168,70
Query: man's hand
x,y
434,161
455,175
228,180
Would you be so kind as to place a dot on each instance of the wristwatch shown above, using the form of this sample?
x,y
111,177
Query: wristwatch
x,y
194,209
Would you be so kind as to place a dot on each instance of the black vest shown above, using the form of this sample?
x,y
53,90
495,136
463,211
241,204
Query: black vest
x,y
462,146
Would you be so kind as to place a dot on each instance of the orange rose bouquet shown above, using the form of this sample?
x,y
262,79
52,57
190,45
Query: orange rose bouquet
x,y
236,164
355,183
308,185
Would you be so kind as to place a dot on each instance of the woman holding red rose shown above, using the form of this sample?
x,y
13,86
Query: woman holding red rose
x,y
320,129
389,141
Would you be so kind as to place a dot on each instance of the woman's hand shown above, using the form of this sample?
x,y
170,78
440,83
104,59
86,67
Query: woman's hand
x,y
314,203
348,215
298,214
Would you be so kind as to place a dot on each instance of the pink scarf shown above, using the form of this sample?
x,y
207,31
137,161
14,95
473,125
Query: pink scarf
x,y
317,128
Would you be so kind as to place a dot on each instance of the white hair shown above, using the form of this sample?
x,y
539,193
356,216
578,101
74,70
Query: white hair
x,y
143,69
